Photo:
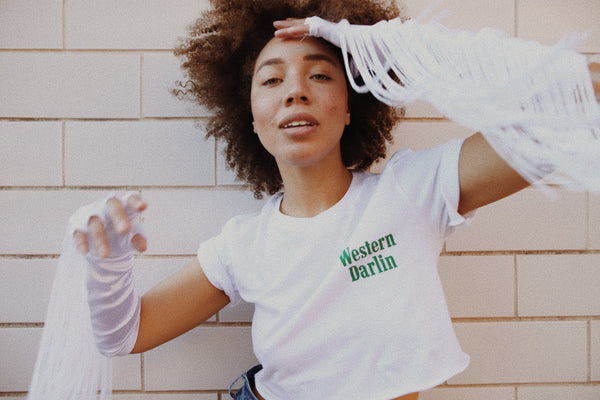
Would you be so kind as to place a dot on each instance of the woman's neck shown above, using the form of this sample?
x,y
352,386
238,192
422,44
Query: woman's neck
x,y
310,191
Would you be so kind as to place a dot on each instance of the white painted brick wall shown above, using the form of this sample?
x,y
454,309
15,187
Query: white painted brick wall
x,y
523,352
17,17
558,285
31,153
70,85
142,153
479,286
83,81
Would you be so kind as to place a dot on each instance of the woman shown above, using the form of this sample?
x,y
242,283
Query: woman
x,y
340,263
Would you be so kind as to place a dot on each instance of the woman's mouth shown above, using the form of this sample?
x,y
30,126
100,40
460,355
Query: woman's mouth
x,y
296,124
301,120
299,124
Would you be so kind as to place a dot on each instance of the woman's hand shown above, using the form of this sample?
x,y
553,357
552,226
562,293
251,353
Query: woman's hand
x,y
290,28
108,224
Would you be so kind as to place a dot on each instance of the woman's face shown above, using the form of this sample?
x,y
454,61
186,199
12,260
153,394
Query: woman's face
x,y
299,101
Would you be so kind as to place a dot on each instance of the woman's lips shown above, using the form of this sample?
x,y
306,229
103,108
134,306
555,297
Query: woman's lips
x,y
298,120
298,124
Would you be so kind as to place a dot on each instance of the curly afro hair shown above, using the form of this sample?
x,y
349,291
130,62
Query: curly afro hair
x,y
219,53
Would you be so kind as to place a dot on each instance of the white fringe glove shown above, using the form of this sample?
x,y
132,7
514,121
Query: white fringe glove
x,y
534,104
333,33
112,297
69,365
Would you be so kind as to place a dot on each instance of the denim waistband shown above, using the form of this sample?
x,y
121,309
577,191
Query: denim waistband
x,y
245,392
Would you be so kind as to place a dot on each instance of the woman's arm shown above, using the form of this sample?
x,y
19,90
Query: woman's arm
x,y
121,321
177,305
484,176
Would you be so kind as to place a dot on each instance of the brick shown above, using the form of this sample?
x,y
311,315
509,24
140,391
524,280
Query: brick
x,y
578,392
528,220
594,223
558,285
523,352
478,286
242,312
560,18
31,153
595,351
160,74
219,356
19,347
178,220
134,24
418,135
474,393
127,372
34,222
69,85
31,24
25,289
471,15
121,153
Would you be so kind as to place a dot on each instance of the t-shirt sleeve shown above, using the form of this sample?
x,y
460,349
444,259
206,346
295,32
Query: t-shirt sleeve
x,y
431,181
214,256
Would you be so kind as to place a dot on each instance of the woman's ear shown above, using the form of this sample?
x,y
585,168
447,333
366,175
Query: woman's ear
x,y
254,128
347,117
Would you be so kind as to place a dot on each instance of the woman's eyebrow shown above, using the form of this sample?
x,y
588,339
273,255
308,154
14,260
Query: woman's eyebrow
x,y
320,57
308,57
270,61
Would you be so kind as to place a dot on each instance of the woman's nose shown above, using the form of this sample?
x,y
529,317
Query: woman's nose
x,y
298,93
296,98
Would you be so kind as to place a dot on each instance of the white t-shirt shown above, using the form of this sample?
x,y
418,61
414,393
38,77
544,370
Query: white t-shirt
x,y
349,303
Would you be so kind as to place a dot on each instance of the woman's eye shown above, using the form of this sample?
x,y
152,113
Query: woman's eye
x,y
271,81
321,77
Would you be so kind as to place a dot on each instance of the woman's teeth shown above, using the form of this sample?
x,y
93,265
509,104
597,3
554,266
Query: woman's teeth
x,y
297,123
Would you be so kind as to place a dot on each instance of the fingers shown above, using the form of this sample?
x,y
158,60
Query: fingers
x,y
118,215
136,203
291,27
98,235
139,243
118,218
118,212
81,242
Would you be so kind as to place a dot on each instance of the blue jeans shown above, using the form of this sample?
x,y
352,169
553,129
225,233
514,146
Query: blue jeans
x,y
245,392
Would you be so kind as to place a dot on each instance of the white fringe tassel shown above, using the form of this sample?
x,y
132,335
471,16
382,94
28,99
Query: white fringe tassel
x,y
534,104
68,365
